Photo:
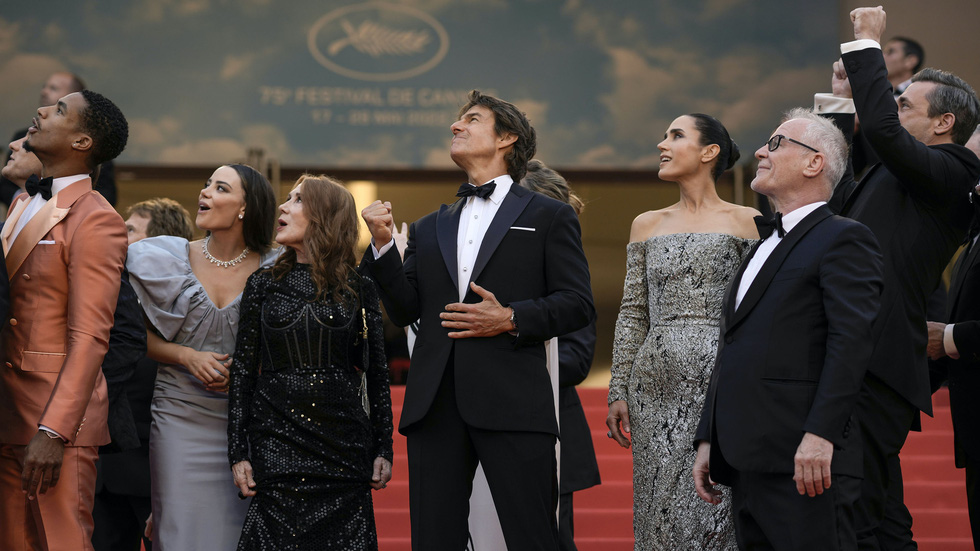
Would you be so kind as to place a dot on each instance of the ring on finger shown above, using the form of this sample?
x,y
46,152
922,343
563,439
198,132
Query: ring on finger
x,y
609,434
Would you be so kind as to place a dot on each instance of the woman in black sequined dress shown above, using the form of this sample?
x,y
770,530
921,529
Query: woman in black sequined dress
x,y
309,429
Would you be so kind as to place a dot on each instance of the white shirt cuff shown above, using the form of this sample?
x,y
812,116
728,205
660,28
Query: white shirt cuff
x,y
47,429
948,343
859,44
383,250
829,103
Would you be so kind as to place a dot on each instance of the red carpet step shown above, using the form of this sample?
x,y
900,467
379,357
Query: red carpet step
x,y
934,490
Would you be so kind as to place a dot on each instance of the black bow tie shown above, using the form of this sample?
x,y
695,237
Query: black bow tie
x,y
767,225
483,192
43,185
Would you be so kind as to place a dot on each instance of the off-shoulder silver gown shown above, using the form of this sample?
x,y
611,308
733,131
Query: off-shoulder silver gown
x,y
193,495
664,350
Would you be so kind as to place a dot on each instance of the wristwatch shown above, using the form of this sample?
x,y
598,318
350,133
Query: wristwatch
x,y
513,320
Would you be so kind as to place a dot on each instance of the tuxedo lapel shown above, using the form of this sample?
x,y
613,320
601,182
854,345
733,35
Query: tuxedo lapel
x,y
512,207
728,308
775,260
51,213
447,229
12,217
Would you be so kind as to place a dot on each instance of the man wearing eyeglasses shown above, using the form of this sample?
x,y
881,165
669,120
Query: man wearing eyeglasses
x,y
795,341
916,203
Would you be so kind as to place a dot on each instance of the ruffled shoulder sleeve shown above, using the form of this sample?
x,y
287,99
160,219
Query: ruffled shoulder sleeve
x,y
160,271
269,258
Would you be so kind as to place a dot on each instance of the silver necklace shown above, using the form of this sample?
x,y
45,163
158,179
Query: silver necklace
x,y
222,263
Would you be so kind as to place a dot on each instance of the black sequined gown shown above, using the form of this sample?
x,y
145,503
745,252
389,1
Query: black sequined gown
x,y
296,414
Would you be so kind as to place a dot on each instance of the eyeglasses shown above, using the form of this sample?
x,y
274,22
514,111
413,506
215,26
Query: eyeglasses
x,y
776,140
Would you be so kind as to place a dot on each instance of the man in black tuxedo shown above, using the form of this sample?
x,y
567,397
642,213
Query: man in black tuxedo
x,y
489,278
916,203
955,347
795,343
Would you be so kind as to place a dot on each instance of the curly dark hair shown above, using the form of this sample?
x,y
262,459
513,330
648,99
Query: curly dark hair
x,y
331,237
106,125
508,119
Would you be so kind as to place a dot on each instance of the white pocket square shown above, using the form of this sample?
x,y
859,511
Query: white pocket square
x,y
45,242
522,228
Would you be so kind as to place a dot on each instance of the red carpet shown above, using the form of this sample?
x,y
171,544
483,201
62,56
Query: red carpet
x,y
934,487
604,514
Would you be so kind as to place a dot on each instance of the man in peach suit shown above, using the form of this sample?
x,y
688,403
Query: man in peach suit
x,y
65,248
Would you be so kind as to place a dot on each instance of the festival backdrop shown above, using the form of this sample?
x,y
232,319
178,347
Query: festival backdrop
x,y
377,84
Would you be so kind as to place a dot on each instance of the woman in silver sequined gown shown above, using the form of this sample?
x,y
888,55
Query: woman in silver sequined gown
x,y
679,262
309,431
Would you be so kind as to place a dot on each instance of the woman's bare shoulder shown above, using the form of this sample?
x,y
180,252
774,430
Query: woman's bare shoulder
x,y
645,225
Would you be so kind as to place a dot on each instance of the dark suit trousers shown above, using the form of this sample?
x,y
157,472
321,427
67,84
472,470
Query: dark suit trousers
x,y
973,497
443,452
120,521
770,514
882,520
566,523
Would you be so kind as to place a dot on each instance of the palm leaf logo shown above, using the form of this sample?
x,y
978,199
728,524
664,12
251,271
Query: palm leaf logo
x,y
377,40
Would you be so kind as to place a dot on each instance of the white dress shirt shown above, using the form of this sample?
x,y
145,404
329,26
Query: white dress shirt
x,y
474,219
35,203
790,220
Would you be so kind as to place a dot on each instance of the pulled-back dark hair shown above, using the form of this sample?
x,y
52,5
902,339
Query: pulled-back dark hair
x,y
952,95
106,125
713,132
508,119
260,208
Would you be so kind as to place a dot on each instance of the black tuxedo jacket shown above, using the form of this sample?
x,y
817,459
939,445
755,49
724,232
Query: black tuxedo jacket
x,y
531,258
579,469
963,374
916,203
792,357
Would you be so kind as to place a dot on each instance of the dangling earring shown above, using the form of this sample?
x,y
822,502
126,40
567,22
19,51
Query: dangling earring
x,y
241,216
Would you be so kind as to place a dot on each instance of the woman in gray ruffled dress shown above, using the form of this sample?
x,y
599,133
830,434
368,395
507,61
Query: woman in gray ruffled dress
x,y
679,261
190,293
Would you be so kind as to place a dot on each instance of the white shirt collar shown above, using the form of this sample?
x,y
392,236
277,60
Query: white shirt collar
x,y
58,184
792,218
503,187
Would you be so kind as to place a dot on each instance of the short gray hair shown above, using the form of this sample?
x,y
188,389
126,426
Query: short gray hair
x,y
822,134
